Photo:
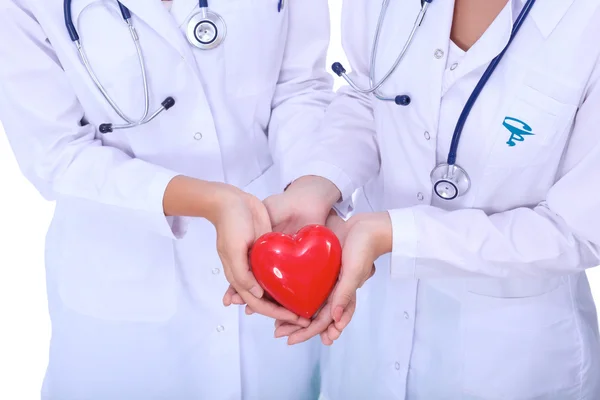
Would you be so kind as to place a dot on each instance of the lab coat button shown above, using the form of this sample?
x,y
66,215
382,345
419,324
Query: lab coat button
x,y
453,66
420,196
197,136
439,53
427,135
406,316
220,328
216,271
397,365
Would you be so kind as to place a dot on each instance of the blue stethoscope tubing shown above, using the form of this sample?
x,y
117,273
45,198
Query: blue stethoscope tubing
x,y
483,81
206,30
449,179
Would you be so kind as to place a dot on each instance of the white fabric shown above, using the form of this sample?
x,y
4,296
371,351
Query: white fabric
x,y
137,315
484,297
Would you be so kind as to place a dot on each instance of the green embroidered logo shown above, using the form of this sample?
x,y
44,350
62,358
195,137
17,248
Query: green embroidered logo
x,y
517,133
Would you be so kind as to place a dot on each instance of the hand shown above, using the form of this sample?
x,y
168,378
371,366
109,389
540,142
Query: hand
x,y
365,237
306,201
289,212
239,219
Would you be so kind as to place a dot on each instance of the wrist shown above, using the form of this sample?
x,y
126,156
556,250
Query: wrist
x,y
317,189
379,226
192,197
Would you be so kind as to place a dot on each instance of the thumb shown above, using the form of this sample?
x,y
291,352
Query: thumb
x,y
243,278
337,226
262,221
345,291
276,208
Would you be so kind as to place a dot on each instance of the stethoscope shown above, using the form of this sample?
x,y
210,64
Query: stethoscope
x,y
206,30
449,179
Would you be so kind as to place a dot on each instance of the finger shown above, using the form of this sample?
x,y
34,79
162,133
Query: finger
x,y
345,291
317,326
278,323
346,316
262,220
248,310
272,310
228,297
273,206
242,277
325,339
237,299
287,330
333,333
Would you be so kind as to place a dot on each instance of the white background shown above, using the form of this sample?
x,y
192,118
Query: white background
x,y
24,218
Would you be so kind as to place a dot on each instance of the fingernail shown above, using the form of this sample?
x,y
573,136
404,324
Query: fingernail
x,y
337,313
256,292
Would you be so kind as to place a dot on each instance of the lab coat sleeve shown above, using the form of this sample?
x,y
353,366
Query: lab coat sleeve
x,y
60,156
337,143
559,236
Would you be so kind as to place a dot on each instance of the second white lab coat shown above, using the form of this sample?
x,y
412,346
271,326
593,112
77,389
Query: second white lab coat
x,y
135,298
484,297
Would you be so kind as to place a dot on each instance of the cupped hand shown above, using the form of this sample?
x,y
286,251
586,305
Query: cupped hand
x,y
306,201
239,220
364,238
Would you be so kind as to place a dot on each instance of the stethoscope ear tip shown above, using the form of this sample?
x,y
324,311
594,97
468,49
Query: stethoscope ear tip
x,y
402,100
338,69
168,103
105,128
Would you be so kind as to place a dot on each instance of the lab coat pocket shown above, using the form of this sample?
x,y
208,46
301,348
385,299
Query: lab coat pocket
x,y
521,348
254,46
109,268
530,130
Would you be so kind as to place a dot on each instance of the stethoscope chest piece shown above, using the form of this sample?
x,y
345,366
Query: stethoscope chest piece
x,y
206,30
450,181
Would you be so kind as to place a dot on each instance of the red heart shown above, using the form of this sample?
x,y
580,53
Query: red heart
x,y
298,271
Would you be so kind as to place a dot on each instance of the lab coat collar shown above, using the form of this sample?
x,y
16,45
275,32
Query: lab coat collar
x,y
548,13
155,15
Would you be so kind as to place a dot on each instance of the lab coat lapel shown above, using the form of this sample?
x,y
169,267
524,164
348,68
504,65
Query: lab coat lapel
x,y
548,13
155,15
435,37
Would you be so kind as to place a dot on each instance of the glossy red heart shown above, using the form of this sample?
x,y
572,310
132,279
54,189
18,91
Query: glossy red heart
x,y
299,271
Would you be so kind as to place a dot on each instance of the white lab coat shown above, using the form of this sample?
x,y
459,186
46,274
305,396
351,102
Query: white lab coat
x,y
484,297
136,298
